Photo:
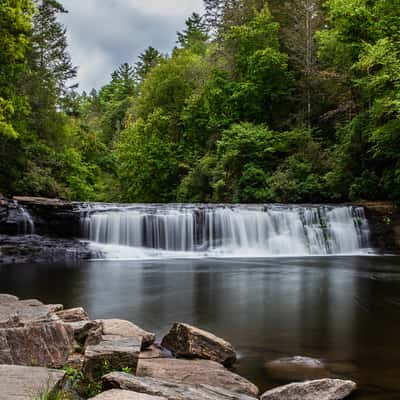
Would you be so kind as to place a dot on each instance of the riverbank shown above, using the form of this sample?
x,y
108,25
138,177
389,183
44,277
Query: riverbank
x,y
45,348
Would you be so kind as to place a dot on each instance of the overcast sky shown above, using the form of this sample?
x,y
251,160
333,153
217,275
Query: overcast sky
x,y
102,34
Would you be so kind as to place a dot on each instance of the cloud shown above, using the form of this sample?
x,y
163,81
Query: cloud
x,y
104,34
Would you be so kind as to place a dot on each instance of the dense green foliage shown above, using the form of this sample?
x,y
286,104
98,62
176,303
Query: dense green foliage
x,y
260,101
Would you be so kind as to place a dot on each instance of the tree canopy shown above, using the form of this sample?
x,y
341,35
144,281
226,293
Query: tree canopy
x,y
260,101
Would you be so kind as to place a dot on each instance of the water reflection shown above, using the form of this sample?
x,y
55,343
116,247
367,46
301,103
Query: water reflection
x,y
344,310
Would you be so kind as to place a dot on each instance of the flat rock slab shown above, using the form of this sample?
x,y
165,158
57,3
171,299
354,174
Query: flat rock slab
x,y
124,328
125,395
169,390
192,372
27,383
296,369
27,311
44,345
113,353
322,389
190,342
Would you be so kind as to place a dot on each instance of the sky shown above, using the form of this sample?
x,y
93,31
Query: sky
x,y
103,34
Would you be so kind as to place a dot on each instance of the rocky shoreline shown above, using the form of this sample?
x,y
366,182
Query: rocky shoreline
x,y
47,351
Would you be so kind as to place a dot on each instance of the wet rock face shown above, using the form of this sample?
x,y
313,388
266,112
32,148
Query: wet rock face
x,y
187,341
28,383
194,372
34,248
172,391
323,389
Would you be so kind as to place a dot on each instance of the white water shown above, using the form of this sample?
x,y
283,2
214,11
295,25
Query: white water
x,y
177,231
27,225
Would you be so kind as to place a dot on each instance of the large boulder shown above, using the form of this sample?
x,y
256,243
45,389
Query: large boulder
x,y
125,395
119,327
296,369
170,390
44,345
190,342
192,372
27,311
322,389
112,353
28,383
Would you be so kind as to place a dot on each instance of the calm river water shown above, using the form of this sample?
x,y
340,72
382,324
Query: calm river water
x,y
343,310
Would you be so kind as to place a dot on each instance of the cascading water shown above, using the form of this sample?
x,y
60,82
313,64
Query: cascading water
x,y
141,231
26,225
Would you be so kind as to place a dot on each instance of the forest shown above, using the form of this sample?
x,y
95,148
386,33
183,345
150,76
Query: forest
x,y
259,101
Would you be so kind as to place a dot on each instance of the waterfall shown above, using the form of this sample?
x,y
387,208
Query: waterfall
x,y
222,230
26,224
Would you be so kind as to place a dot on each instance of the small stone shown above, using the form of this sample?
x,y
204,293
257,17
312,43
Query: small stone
x,y
155,351
322,389
187,341
73,315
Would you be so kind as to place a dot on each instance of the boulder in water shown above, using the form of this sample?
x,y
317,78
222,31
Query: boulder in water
x,y
187,341
323,389
296,369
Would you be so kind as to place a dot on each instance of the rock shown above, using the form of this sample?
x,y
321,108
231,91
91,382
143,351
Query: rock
x,y
83,330
296,369
28,383
323,389
194,372
120,327
35,248
154,351
169,390
190,342
75,361
94,335
125,395
7,299
114,354
28,311
44,345
73,315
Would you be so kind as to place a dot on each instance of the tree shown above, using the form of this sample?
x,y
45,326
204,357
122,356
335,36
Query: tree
x,y
15,23
195,35
149,59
